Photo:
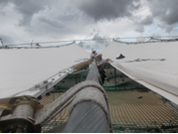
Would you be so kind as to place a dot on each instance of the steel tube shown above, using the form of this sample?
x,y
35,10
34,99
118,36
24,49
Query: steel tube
x,y
93,73
87,116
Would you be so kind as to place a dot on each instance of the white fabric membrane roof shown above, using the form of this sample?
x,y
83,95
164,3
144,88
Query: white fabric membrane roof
x,y
21,69
154,65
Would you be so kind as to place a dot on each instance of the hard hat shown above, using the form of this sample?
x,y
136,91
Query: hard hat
x,y
99,55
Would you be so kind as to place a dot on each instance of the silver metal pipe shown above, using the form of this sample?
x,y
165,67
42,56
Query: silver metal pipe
x,y
89,110
87,117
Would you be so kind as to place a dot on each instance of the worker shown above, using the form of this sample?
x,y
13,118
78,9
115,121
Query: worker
x,y
100,62
93,54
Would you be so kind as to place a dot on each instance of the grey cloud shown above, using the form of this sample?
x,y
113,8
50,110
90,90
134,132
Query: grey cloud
x,y
100,41
139,29
68,17
88,46
168,28
2,13
165,10
6,39
108,9
3,3
147,21
81,44
27,8
141,23
53,23
85,45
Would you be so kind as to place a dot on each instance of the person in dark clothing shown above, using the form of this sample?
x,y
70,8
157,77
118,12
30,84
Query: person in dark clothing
x,y
100,62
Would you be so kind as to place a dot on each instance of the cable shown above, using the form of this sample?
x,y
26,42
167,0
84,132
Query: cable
x,y
85,40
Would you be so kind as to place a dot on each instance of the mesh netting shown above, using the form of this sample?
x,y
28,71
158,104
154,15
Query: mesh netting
x,y
134,111
131,111
133,108
60,118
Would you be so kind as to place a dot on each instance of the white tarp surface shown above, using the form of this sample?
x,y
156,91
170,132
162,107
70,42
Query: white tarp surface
x,y
155,65
20,69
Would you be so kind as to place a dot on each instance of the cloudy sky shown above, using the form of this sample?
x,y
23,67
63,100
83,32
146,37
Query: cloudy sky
x,y
21,21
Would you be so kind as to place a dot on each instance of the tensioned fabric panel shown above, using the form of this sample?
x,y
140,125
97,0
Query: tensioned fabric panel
x,y
155,65
20,69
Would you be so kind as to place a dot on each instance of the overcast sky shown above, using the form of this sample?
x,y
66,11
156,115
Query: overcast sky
x,y
21,21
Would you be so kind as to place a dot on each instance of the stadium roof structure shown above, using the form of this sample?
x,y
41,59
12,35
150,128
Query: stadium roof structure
x,y
153,65
29,75
27,71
